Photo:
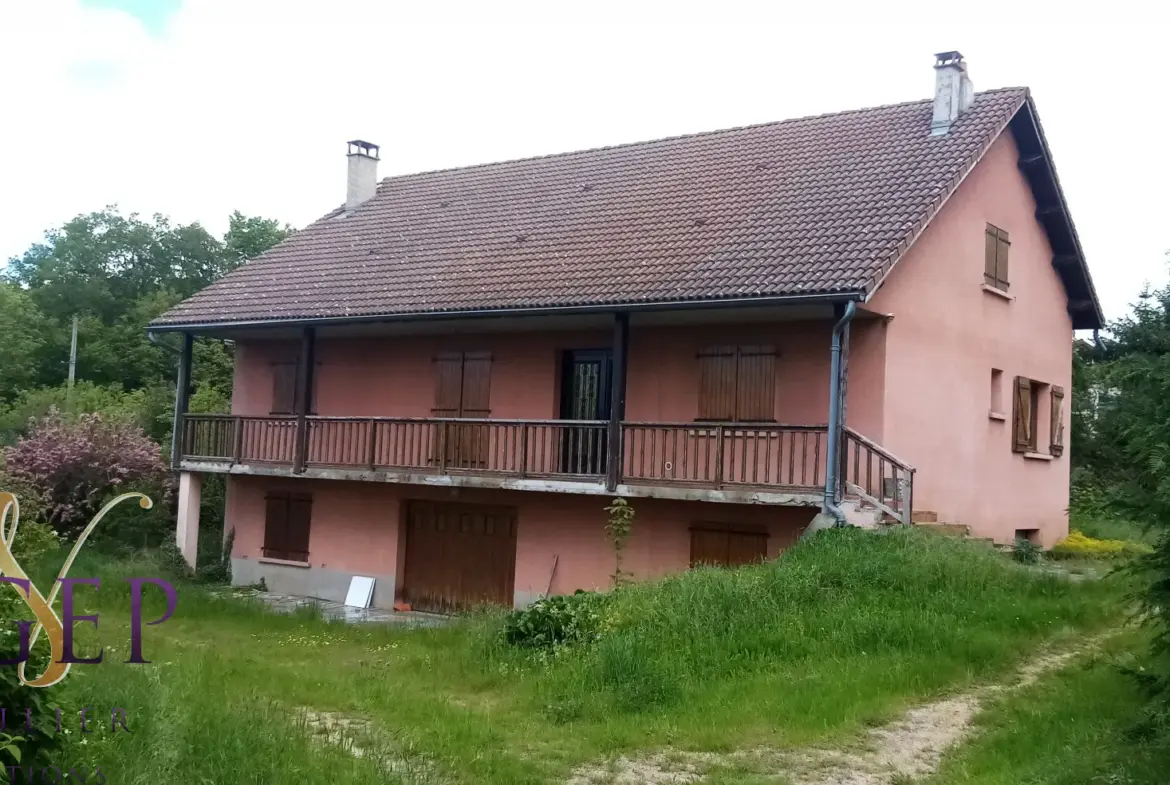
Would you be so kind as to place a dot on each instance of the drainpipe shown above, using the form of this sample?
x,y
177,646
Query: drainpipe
x,y
830,503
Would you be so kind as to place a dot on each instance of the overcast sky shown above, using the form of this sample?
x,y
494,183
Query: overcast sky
x,y
194,108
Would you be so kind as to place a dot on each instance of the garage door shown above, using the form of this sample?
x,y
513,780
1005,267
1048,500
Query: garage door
x,y
459,555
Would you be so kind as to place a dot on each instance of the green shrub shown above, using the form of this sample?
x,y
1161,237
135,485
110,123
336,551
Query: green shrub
x,y
1026,552
560,619
1077,545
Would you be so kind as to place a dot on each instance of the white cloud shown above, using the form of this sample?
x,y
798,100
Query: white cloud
x,y
247,104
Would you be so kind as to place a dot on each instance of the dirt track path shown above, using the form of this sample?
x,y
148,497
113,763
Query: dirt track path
x,y
905,750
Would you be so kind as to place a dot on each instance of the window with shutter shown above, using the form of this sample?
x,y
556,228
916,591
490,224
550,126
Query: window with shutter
x,y
1023,416
462,390
286,526
284,387
737,384
1056,431
995,263
285,395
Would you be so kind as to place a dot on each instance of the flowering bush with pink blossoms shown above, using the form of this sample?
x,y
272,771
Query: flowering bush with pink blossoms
x,y
75,465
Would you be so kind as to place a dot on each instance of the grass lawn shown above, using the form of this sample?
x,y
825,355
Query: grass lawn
x,y
1077,727
842,632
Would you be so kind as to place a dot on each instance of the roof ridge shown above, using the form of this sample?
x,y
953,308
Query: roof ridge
x,y
679,137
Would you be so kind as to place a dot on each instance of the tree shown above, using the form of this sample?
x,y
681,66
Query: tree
x,y
22,338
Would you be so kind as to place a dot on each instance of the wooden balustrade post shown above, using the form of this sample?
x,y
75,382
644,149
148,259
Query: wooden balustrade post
x,y
304,396
617,401
372,445
182,400
443,447
237,439
718,456
524,450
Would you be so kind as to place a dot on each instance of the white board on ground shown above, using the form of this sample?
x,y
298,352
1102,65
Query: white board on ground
x,y
361,591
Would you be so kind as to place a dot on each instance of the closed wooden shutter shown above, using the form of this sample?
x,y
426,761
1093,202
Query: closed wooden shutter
x,y
717,396
284,388
463,389
991,243
275,525
756,384
296,539
995,262
1023,418
1056,442
713,544
448,384
477,375
746,548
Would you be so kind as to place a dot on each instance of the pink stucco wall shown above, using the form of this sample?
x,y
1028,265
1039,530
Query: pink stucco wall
x,y
394,376
355,529
945,337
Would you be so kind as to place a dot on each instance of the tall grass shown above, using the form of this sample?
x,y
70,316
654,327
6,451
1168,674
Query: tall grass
x,y
910,608
842,631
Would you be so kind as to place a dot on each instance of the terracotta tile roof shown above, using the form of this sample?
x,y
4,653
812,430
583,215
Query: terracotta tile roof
x,y
815,205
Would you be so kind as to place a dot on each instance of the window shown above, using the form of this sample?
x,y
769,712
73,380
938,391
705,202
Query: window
x,y
285,398
737,384
995,263
286,526
995,407
462,389
1037,407
711,544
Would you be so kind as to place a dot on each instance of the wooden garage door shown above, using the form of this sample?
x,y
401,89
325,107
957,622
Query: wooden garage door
x,y
459,555
726,547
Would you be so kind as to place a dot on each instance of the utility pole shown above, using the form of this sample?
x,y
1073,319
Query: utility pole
x,y
72,367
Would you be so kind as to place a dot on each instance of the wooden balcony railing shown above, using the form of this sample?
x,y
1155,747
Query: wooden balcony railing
x,y
717,455
705,455
873,474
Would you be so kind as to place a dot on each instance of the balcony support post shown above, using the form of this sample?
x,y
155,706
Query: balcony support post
x,y
617,402
306,365
182,400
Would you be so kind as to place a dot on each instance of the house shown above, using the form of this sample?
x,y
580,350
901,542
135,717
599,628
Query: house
x,y
867,315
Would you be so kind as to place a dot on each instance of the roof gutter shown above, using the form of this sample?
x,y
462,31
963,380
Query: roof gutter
x,y
479,313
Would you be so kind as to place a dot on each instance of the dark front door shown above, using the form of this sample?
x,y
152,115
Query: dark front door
x,y
585,395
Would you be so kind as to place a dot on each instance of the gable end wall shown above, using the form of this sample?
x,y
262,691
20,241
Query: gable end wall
x,y
945,337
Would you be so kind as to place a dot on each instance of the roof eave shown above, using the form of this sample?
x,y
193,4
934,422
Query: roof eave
x,y
480,313
1052,212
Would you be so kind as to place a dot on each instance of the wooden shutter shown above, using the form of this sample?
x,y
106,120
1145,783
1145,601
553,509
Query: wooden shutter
x,y
284,388
296,538
275,526
717,372
1056,442
991,247
756,384
995,259
1001,260
746,548
1023,418
476,387
448,384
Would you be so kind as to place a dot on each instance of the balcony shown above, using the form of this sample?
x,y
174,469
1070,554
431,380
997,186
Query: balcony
x,y
733,462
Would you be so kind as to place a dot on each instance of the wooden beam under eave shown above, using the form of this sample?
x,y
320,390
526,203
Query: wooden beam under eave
x,y
1064,260
1029,161
1076,306
1046,211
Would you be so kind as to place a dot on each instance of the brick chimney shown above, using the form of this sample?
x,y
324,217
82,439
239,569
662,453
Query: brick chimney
x,y
362,182
953,92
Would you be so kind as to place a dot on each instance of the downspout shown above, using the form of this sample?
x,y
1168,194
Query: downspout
x,y
830,504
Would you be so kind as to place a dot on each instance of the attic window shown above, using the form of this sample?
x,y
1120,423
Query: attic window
x,y
995,260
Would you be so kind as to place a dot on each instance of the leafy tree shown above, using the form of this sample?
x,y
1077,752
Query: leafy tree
x,y
22,338
75,465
